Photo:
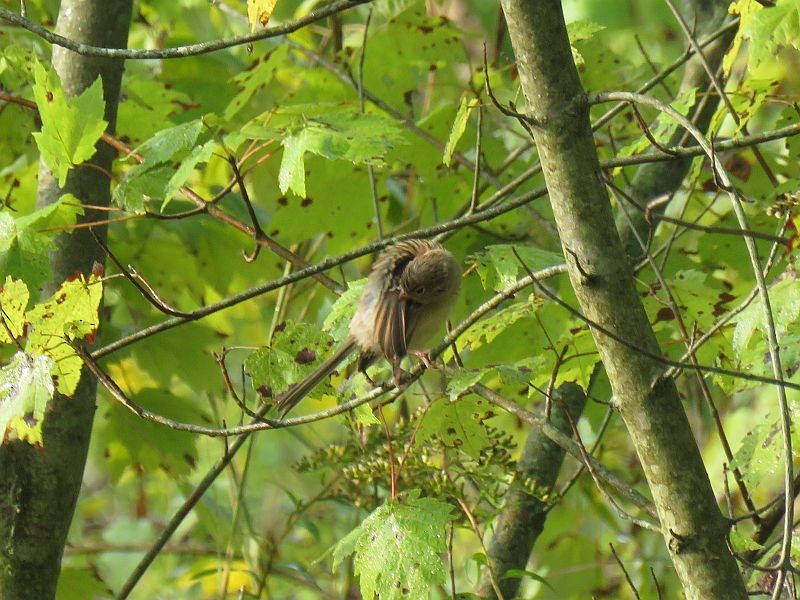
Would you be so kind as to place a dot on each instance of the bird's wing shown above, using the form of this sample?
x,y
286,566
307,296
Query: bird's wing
x,y
390,320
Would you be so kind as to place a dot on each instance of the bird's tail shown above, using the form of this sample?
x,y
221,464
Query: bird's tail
x,y
289,399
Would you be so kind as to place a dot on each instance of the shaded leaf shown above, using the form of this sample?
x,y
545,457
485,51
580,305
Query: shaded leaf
x,y
458,424
132,442
465,108
297,348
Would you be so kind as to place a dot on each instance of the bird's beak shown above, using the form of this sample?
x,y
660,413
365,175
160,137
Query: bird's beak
x,y
402,296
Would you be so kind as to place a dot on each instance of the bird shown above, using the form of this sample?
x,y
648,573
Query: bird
x,y
409,292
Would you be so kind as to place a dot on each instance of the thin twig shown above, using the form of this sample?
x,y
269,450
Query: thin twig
x,y
291,26
392,471
625,571
145,289
373,185
476,175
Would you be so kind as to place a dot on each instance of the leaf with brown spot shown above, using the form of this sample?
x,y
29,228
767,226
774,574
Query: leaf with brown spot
x,y
305,356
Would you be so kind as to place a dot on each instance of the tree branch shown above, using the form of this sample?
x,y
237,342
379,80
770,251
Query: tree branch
x,y
332,8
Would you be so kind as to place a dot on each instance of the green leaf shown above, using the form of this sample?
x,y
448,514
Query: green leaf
x,y
71,313
168,143
256,78
784,299
663,128
292,175
462,380
498,268
363,415
465,109
521,573
13,301
397,548
337,323
760,452
297,348
155,178
458,424
746,10
24,253
579,31
332,131
200,154
70,126
743,543
700,298
488,328
26,387
62,215
771,30
133,442
140,185
76,583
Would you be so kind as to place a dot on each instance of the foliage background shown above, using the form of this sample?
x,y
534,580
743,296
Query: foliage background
x,y
291,494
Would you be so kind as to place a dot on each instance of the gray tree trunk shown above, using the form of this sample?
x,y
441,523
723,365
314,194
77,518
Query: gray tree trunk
x,y
523,516
40,486
692,525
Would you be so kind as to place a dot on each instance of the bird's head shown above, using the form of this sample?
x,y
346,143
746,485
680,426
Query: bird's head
x,y
431,278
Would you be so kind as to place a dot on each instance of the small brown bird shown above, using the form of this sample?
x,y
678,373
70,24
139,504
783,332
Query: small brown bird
x,y
409,293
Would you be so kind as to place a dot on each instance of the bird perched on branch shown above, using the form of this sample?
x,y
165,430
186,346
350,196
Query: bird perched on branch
x,y
409,293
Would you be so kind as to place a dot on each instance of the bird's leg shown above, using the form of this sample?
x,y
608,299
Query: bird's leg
x,y
368,378
425,358
400,376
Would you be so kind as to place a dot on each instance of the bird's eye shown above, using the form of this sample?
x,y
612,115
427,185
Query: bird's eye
x,y
419,290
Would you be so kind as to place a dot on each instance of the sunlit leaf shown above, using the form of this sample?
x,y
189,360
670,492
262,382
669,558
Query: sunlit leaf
x,y
26,386
499,268
397,548
259,12
337,322
70,314
488,328
13,301
70,126
24,253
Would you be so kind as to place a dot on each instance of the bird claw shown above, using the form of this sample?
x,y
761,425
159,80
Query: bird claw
x,y
401,377
425,358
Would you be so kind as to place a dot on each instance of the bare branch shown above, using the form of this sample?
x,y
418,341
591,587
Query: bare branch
x,y
327,10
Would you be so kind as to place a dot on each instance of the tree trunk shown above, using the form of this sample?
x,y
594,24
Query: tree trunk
x,y
522,519
691,522
40,486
